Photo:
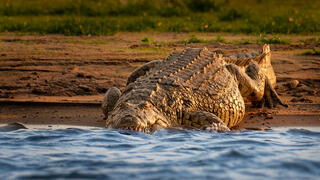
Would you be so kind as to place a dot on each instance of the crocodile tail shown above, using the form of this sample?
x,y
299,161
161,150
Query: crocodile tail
x,y
265,64
266,49
263,59
241,62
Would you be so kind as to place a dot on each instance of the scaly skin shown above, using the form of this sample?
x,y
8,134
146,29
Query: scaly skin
x,y
194,88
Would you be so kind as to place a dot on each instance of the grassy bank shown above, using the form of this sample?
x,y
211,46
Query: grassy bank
x,y
104,17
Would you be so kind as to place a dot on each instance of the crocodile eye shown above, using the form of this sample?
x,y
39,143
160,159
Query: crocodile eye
x,y
145,106
124,105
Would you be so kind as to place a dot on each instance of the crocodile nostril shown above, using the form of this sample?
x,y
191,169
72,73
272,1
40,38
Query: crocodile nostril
x,y
128,121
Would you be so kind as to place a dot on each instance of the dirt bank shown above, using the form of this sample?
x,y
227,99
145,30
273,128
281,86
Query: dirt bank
x,y
61,79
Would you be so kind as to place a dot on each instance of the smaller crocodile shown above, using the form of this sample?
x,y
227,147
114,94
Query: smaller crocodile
x,y
195,88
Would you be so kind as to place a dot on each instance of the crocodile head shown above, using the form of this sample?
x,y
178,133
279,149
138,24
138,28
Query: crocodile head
x,y
141,117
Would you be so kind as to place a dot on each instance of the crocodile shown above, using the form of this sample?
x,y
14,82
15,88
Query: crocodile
x,y
195,89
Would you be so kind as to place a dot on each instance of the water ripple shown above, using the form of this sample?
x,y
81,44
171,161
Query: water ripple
x,y
38,138
167,154
304,132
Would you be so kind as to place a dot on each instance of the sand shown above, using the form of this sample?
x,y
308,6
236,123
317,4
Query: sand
x,y
60,80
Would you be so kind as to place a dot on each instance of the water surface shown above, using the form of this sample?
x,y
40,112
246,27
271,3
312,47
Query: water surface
x,y
99,153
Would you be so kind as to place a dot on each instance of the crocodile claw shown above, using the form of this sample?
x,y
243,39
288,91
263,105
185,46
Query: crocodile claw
x,y
270,98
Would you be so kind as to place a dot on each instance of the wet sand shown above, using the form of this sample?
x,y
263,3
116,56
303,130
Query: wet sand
x,y
60,80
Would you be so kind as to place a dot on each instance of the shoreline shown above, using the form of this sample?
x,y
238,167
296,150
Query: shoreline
x,y
89,114
54,79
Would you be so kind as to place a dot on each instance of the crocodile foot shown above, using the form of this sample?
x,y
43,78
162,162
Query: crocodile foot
x,y
270,98
217,127
203,120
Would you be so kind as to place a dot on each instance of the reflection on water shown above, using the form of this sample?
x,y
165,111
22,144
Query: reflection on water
x,y
167,154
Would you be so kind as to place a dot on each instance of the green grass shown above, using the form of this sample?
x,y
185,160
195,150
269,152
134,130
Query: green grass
x,y
148,40
194,39
313,52
273,40
105,17
312,40
244,41
220,39
147,50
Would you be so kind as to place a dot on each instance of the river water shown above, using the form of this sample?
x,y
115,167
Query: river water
x,y
97,153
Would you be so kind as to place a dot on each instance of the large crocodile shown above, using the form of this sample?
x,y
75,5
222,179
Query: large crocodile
x,y
194,88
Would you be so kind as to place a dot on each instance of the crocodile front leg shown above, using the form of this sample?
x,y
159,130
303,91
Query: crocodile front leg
x,y
254,85
110,99
203,120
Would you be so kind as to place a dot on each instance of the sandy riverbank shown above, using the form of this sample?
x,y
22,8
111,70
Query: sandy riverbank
x,y
61,80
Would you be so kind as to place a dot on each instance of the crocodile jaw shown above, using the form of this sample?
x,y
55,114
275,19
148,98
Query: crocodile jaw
x,y
142,117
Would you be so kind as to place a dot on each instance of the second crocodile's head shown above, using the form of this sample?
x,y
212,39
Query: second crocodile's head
x,y
142,116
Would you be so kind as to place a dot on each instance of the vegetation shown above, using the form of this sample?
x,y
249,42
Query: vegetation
x,y
314,52
312,40
194,39
243,41
147,40
103,17
273,40
220,39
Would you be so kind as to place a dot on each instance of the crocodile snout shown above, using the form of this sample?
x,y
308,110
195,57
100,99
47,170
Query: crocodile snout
x,y
129,122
